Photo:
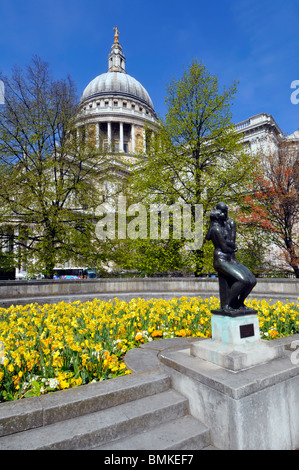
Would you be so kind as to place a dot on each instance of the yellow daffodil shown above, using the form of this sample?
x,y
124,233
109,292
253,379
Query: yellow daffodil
x,y
76,343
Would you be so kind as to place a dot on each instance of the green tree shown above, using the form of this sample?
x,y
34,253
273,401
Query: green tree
x,y
196,155
150,256
48,169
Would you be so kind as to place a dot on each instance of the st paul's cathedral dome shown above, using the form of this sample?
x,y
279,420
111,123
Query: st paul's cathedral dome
x,y
116,108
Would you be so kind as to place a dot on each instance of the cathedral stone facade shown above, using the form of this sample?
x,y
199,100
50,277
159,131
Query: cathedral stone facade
x,y
115,109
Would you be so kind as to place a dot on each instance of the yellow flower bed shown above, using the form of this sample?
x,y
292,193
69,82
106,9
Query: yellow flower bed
x,y
54,347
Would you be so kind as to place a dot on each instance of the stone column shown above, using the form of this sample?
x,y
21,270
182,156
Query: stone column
x,y
121,137
109,135
133,137
97,135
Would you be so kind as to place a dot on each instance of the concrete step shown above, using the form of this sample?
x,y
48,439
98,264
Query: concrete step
x,y
37,412
100,427
184,433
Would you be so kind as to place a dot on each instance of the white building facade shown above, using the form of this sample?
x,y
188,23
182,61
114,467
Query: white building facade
x,y
262,136
260,133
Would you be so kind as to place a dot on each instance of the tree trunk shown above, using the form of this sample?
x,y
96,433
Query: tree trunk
x,y
199,256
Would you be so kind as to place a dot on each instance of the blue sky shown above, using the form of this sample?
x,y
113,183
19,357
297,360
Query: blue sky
x,y
253,41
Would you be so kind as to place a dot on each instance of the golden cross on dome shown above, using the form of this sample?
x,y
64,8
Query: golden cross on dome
x,y
116,34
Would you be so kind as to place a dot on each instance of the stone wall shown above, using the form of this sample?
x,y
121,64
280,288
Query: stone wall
x,y
268,288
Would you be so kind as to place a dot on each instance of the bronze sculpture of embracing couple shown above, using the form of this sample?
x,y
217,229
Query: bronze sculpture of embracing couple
x,y
236,281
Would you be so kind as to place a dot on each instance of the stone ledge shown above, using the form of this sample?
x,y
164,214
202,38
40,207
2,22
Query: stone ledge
x,y
279,289
146,356
252,409
233,384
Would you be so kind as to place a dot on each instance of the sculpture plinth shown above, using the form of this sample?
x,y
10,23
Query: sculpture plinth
x,y
236,343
